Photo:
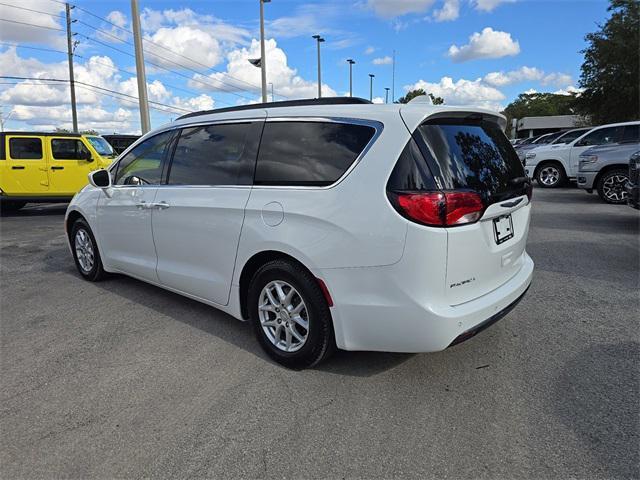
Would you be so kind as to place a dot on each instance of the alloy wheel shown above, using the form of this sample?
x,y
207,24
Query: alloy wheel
x,y
549,175
613,188
283,316
84,250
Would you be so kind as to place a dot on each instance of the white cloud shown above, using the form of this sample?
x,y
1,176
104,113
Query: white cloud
x,y
462,92
396,8
118,19
489,5
242,75
201,102
524,74
387,60
377,100
570,90
489,43
450,11
19,32
369,50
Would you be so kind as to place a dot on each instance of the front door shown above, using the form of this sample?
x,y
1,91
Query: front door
x,y
199,213
24,171
69,165
124,217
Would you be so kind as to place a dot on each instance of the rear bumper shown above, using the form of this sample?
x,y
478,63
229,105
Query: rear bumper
x,y
381,309
586,180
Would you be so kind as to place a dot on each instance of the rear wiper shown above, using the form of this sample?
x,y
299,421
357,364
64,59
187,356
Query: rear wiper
x,y
519,180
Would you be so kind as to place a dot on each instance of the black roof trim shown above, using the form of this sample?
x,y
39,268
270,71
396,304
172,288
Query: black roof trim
x,y
287,103
119,135
44,134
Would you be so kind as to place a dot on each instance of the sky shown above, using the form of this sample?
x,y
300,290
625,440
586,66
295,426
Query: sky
x,y
470,52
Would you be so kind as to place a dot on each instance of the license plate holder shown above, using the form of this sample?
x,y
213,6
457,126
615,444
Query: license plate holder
x,y
503,228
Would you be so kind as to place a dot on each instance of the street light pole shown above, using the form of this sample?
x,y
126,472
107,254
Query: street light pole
x,y
145,123
319,40
351,62
263,60
386,94
371,76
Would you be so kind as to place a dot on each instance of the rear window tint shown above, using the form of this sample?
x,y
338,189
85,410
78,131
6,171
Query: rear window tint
x,y
411,173
308,153
631,134
474,155
25,148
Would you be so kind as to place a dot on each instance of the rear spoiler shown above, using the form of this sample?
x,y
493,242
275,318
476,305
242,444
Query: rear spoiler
x,y
414,115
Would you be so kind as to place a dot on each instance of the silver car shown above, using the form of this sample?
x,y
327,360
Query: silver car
x,y
606,169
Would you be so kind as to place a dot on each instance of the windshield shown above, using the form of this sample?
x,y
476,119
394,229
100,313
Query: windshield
x,y
101,146
570,136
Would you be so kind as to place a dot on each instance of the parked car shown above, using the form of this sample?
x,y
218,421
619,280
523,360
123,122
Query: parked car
x,y
47,167
523,148
552,165
323,222
633,185
569,136
606,169
120,142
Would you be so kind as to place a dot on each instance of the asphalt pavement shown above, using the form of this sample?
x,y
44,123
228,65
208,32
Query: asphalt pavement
x,y
120,379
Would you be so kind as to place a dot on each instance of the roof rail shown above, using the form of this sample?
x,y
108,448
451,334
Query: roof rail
x,y
287,103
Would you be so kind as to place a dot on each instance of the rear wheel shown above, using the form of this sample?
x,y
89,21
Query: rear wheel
x,y
11,206
85,252
611,186
290,315
550,175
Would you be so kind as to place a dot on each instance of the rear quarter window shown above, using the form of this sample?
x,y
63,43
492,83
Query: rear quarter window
x,y
304,153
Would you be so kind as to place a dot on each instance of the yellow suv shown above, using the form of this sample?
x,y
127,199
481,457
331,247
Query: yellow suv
x,y
47,167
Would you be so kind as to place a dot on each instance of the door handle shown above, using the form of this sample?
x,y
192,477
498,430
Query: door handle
x,y
142,205
57,168
17,167
160,205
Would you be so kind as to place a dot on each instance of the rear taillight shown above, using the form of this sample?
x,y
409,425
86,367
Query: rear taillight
x,y
440,209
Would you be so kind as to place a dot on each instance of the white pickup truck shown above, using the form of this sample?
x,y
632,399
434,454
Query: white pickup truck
x,y
552,165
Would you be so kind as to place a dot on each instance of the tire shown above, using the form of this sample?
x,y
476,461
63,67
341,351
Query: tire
x,y
85,252
611,186
550,175
11,206
280,332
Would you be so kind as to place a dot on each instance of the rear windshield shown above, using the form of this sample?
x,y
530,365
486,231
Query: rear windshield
x,y
472,155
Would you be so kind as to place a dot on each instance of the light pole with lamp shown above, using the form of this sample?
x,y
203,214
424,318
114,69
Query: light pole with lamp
x,y
319,40
371,77
386,94
351,62
263,60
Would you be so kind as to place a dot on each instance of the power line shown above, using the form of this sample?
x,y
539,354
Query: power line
x,y
93,86
32,10
254,87
31,48
31,24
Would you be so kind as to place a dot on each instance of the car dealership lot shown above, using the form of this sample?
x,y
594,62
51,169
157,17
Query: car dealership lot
x,y
122,379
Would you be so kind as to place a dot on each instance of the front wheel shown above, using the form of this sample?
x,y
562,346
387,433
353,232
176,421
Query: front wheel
x,y
611,186
550,175
290,315
85,252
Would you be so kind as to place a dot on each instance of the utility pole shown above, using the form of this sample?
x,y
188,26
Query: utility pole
x,y
351,62
272,97
72,85
371,76
319,40
143,101
386,94
263,59
393,78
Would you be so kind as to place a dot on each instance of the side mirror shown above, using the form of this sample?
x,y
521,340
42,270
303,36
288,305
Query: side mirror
x,y
86,155
100,178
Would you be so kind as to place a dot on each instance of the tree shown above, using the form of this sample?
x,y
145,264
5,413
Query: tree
x,y
417,93
610,74
539,104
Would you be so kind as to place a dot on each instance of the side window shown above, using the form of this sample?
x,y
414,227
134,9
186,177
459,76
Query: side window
x,y
143,164
221,154
27,148
631,134
68,149
602,136
308,153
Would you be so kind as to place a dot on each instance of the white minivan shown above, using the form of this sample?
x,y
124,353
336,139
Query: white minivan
x,y
326,223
